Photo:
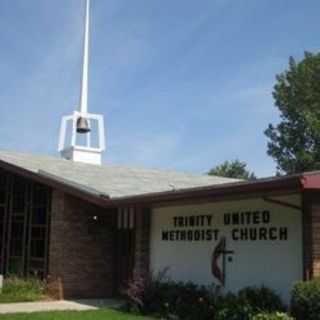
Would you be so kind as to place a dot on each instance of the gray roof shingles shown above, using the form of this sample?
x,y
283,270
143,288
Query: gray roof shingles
x,y
114,181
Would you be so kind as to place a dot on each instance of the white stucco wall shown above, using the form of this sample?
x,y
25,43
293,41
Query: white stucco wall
x,y
273,263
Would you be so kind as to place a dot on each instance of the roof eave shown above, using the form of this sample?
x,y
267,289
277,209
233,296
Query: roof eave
x,y
229,191
258,188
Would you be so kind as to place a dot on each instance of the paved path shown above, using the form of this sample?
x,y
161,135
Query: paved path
x,y
77,305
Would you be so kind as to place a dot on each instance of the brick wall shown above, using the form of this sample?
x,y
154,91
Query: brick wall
x,y
81,252
311,228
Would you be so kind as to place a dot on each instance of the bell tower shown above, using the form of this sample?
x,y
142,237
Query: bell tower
x,y
81,133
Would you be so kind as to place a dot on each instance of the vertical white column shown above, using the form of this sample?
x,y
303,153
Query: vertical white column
x,y
89,135
85,66
74,130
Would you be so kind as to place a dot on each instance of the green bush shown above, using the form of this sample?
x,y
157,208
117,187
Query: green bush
x,y
230,307
272,316
262,299
249,302
17,289
146,295
157,295
189,301
305,300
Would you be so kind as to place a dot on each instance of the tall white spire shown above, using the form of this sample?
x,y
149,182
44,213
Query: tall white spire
x,y
81,122
85,67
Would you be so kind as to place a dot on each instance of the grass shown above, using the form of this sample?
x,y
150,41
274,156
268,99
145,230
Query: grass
x,y
22,290
103,314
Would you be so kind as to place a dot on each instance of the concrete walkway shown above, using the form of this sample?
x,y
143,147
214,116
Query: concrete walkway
x,y
76,305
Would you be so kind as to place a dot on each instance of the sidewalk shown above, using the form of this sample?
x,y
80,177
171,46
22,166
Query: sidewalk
x,y
76,305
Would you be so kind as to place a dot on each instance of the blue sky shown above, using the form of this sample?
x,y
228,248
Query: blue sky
x,y
183,84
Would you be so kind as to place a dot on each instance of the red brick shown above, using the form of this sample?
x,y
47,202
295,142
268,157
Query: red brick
x,y
81,260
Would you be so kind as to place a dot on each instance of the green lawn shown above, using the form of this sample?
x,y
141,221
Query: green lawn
x,y
104,314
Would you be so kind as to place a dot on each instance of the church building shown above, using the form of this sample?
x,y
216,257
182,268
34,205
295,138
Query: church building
x,y
88,228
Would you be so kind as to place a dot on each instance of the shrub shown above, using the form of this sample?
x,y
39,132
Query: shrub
x,y
146,294
159,296
262,299
17,289
192,301
272,316
305,300
230,307
249,302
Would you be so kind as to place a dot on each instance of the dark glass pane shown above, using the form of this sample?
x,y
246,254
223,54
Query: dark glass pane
x,y
2,194
18,202
15,266
19,195
3,177
40,195
18,218
37,263
2,213
17,230
3,184
1,231
37,249
39,216
16,248
38,233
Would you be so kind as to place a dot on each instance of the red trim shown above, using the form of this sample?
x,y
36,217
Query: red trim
x,y
311,181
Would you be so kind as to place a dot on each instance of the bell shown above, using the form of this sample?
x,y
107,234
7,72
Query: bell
x,y
82,125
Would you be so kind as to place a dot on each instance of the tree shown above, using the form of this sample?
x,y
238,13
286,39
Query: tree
x,y
294,143
233,169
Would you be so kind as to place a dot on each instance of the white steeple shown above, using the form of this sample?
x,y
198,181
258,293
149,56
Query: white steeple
x,y
81,123
85,67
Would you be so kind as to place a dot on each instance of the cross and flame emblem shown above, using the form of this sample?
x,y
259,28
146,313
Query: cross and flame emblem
x,y
220,252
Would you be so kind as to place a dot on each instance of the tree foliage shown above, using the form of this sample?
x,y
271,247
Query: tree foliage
x,y
294,143
233,169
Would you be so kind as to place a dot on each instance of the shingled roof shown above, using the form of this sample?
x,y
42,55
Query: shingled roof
x,y
112,181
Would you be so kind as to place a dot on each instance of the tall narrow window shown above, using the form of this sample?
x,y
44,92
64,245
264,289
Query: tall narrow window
x,y
3,217
18,219
38,231
125,245
24,226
